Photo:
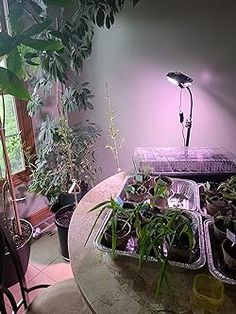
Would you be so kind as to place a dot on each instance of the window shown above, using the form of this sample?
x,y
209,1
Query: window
x,y
18,129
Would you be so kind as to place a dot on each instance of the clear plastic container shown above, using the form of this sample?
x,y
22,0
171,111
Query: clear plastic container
x,y
207,293
185,159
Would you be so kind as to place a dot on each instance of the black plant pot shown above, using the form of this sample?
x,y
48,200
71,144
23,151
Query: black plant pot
x,y
62,221
68,199
24,253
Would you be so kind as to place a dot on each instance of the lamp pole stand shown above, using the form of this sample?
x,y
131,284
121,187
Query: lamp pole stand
x,y
189,121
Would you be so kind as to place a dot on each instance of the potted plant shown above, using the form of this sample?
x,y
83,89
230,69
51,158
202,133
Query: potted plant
x,y
228,188
211,189
154,235
217,204
119,229
135,193
229,254
43,50
167,180
144,176
183,242
159,194
221,224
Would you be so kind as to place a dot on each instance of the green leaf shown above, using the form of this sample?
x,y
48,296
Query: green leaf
x,y
11,84
37,28
7,43
100,17
16,17
14,62
41,45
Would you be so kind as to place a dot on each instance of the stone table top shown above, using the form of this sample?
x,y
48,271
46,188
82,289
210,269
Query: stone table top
x,y
117,286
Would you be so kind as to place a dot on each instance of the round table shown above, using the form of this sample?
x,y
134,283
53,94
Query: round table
x,y
118,286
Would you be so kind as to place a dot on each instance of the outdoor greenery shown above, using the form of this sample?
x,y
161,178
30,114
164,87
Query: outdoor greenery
x,y
13,138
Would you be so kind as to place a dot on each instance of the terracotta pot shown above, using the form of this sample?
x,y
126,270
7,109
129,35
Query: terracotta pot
x,y
139,194
121,241
229,254
217,205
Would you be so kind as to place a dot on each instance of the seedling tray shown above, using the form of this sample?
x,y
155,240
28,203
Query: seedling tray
x,y
185,193
197,261
215,256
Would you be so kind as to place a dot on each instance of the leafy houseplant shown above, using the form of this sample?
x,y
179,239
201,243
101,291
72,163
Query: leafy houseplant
x,y
135,193
47,50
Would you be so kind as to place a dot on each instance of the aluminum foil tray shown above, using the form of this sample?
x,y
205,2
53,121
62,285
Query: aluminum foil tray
x,y
199,257
185,194
214,255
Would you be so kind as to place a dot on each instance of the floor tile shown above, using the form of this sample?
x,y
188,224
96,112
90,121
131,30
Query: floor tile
x,y
37,280
44,251
59,270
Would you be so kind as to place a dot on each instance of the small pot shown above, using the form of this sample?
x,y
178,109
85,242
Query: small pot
x,y
147,180
229,254
138,196
217,205
121,241
219,229
161,202
167,180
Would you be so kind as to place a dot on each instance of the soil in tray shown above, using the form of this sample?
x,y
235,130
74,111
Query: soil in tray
x,y
17,239
218,257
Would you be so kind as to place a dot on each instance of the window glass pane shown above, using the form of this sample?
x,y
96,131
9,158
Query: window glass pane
x,y
12,136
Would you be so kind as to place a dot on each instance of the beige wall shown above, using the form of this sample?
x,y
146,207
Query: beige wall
x,y
195,37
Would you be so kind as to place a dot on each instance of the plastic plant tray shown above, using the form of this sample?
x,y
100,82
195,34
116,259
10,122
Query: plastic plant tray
x,y
183,160
198,259
185,194
214,256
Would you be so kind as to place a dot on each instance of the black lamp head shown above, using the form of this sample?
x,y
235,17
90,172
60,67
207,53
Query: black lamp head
x,y
179,79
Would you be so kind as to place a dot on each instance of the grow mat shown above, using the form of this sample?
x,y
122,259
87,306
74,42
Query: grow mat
x,y
197,260
215,256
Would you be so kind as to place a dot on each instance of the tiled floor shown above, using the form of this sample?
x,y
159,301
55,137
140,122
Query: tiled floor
x,y
46,266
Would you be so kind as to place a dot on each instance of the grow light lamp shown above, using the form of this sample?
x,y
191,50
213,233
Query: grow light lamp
x,y
183,81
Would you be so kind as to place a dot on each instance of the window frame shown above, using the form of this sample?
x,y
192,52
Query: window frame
x,y
24,122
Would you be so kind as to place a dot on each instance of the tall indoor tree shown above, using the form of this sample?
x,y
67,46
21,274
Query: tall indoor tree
x,y
46,47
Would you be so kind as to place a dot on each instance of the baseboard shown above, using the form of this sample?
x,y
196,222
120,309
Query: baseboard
x,y
39,216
